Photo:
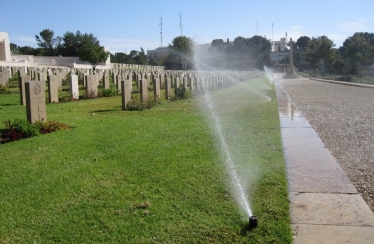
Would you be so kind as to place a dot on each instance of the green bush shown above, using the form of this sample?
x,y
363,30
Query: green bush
x,y
21,128
181,93
134,105
4,90
111,92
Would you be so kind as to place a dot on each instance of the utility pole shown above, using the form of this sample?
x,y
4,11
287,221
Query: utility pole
x,y
161,30
180,23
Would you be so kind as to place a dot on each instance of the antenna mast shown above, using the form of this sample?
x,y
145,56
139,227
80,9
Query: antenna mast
x,y
161,30
180,23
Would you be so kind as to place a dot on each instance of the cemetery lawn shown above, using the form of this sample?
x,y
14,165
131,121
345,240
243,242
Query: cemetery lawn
x,y
154,176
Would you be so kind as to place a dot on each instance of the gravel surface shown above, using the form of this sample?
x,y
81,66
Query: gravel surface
x,y
343,117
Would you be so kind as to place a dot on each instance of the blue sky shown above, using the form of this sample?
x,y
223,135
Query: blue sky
x,y
126,25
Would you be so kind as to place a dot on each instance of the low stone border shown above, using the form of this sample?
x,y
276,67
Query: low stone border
x,y
344,83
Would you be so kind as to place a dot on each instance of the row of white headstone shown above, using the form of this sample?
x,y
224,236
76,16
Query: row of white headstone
x,y
32,93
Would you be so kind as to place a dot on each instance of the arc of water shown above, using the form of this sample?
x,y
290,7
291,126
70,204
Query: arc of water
x,y
240,195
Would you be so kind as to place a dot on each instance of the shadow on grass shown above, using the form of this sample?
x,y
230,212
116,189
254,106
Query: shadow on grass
x,y
9,104
106,110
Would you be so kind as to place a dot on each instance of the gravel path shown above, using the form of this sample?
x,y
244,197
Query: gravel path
x,y
343,117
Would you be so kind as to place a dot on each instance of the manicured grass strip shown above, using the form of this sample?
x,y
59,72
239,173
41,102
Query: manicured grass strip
x,y
154,176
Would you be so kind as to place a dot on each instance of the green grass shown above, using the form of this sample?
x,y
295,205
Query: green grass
x,y
154,176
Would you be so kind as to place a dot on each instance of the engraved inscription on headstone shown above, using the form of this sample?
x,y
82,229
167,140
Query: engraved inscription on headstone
x,y
35,101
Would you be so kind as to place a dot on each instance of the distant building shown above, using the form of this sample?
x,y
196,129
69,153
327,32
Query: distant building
x,y
4,47
8,59
279,50
158,53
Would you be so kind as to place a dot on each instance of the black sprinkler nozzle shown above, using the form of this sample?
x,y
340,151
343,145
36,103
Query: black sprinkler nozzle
x,y
252,222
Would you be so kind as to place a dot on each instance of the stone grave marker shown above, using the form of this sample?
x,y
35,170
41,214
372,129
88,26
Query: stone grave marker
x,y
52,89
156,88
167,88
126,87
21,83
185,79
74,87
143,90
106,81
35,101
91,86
192,83
120,78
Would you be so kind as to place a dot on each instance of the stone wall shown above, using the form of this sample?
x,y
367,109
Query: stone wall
x,y
4,47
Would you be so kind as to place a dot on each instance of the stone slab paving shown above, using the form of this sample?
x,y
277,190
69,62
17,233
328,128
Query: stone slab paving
x,y
324,205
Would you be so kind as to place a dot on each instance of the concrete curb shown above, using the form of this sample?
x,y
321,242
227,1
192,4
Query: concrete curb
x,y
343,83
324,205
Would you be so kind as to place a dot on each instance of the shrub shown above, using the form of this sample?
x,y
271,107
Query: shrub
x,y
18,129
134,105
181,93
21,128
4,90
51,126
111,92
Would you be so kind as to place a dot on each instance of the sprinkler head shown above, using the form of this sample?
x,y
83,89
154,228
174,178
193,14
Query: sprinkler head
x,y
252,222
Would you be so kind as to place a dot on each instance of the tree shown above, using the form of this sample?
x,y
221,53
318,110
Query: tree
x,y
302,42
92,53
70,44
217,54
259,51
299,52
357,50
47,42
14,48
319,52
182,47
141,58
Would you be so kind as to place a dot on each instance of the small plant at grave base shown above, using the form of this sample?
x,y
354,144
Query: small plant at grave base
x,y
111,92
51,126
150,103
181,93
21,128
135,105
4,90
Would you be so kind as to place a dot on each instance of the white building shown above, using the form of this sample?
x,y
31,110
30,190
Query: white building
x,y
7,59
4,47
279,50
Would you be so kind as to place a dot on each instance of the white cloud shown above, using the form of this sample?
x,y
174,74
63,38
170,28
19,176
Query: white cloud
x,y
355,26
21,40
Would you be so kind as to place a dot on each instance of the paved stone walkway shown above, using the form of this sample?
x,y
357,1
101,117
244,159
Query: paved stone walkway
x,y
324,205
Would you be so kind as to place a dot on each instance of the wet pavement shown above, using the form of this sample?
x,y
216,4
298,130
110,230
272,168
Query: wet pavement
x,y
325,207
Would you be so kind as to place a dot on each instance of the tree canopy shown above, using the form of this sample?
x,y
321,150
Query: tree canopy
x,y
181,52
91,51
319,52
358,51
47,41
